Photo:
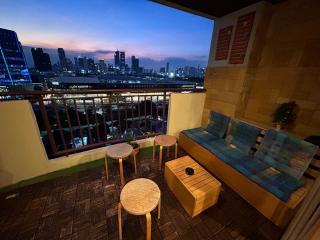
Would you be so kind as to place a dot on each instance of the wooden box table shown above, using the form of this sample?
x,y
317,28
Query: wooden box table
x,y
197,192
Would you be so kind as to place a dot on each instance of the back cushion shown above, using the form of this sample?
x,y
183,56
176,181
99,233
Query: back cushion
x,y
243,135
218,124
286,153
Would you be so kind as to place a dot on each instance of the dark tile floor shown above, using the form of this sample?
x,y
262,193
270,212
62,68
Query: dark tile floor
x,y
84,206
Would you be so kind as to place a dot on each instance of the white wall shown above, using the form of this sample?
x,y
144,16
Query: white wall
x,y
22,154
185,112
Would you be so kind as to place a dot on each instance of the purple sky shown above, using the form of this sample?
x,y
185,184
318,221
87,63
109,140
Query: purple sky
x,y
146,29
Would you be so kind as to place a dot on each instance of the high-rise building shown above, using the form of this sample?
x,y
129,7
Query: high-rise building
x,y
120,60
41,60
90,65
62,59
102,66
117,59
13,67
135,65
81,65
167,68
162,70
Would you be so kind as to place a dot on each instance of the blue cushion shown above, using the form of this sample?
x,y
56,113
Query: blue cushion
x,y
199,135
247,165
277,183
243,135
218,124
286,153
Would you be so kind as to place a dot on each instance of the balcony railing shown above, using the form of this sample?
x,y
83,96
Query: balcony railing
x,y
76,120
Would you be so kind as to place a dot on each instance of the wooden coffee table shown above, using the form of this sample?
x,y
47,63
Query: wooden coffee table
x,y
196,193
120,151
140,197
164,141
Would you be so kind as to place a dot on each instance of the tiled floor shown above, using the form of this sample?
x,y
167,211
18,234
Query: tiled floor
x,y
84,206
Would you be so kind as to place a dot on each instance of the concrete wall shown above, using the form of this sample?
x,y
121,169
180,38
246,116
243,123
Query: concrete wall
x,y
185,111
283,64
22,154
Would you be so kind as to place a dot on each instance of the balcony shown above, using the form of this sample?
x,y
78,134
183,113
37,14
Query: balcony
x,y
52,146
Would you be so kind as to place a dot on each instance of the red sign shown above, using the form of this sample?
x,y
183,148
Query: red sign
x,y
223,43
241,38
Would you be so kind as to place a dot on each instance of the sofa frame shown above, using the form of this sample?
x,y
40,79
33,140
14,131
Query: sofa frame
x,y
276,210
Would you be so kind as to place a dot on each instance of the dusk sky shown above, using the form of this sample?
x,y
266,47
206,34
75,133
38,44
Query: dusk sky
x,y
139,27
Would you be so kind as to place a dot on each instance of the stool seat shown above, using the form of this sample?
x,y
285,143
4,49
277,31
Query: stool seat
x,y
121,150
140,196
165,140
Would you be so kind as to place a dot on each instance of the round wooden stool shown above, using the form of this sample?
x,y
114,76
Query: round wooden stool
x,y
164,141
120,151
140,197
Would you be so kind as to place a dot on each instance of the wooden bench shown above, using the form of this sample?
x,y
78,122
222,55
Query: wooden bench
x,y
278,211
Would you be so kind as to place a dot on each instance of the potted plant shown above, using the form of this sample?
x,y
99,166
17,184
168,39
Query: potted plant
x,y
136,147
285,115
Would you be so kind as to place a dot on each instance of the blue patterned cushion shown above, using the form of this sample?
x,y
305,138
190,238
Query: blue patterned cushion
x,y
247,165
243,135
286,153
218,124
279,184
199,135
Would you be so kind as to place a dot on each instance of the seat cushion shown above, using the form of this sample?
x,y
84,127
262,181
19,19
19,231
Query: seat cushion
x,y
286,153
218,124
277,183
243,135
199,135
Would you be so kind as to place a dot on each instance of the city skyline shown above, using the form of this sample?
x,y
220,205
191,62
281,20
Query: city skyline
x,y
100,28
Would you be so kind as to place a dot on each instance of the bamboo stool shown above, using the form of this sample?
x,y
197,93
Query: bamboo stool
x,y
120,151
140,197
164,141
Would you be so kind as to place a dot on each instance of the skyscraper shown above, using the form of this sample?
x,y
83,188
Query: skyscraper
x,y
41,60
102,66
120,60
117,59
135,65
167,68
62,59
13,67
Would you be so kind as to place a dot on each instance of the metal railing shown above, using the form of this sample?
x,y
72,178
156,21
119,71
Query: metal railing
x,y
71,121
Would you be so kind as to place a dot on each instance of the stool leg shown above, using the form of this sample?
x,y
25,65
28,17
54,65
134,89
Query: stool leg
x,y
148,228
135,163
154,150
121,172
168,152
159,207
106,166
160,157
176,150
119,221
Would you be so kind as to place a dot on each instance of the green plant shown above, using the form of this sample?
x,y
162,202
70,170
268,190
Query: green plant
x,y
286,114
130,140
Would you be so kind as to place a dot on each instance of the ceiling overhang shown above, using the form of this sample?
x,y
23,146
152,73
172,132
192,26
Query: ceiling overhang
x,y
210,8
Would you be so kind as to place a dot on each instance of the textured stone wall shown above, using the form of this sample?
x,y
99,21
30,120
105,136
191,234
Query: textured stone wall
x,y
283,65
